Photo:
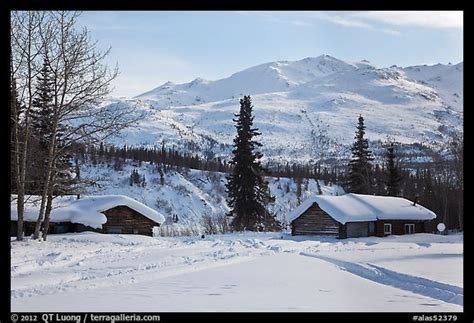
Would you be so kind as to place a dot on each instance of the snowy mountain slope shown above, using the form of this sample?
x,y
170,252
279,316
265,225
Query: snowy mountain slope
x,y
190,194
447,80
307,109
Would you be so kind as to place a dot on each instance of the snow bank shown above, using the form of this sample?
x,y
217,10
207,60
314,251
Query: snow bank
x,y
359,208
87,210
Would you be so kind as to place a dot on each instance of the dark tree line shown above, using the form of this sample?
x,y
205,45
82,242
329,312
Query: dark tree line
x,y
330,174
167,158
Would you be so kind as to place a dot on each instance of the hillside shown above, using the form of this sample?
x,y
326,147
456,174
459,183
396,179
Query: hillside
x,y
190,194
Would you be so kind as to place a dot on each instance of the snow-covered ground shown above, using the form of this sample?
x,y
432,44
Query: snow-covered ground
x,y
237,272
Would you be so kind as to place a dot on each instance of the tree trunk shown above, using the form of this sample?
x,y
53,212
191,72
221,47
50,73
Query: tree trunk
x,y
19,184
47,214
320,192
461,210
20,210
28,55
49,175
78,176
446,215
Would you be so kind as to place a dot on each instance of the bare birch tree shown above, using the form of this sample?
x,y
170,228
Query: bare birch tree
x,y
25,50
81,80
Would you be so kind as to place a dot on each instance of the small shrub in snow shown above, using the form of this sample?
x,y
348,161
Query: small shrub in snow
x,y
219,189
181,189
137,179
208,223
177,230
164,206
213,177
217,223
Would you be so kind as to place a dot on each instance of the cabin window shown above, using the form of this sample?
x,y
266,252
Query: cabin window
x,y
60,228
409,228
114,230
387,228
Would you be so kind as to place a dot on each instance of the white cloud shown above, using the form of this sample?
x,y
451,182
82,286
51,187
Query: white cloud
x,y
350,21
347,22
429,19
271,17
390,31
370,20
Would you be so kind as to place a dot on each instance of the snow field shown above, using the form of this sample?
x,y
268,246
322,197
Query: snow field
x,y
237,272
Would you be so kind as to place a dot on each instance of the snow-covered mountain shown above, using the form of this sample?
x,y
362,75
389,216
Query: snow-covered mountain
x,y
306,109
265,78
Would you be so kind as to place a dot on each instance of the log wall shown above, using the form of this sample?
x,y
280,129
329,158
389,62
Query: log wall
x,y
314,221
128,221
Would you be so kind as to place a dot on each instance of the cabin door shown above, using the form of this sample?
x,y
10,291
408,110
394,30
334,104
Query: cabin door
x,y
409,228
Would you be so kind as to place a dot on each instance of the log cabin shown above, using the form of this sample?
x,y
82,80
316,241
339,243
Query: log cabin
x,y
104,214
358,215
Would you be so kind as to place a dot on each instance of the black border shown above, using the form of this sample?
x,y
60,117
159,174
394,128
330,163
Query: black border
x,y
343,5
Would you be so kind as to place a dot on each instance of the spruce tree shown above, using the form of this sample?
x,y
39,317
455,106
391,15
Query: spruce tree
x,y
42,116
41,125
392,172
360,169
247,190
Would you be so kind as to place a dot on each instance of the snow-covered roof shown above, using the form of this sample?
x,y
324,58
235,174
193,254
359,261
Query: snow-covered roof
x,y
357,208
87,210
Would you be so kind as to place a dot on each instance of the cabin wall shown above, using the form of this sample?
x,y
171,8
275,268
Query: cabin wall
x,y
398,226
358,229
122,219
54,227
314,221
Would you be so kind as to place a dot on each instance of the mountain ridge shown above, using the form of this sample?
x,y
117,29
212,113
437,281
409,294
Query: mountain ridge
x,y
306,108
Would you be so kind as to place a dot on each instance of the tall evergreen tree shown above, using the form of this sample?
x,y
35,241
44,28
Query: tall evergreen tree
x,y
360,169
247,189
42,120
41,125
393,176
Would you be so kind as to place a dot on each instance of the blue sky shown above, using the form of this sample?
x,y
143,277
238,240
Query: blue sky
x,y
153,47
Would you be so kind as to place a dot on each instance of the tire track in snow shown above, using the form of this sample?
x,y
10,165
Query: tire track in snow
x,y
422,286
